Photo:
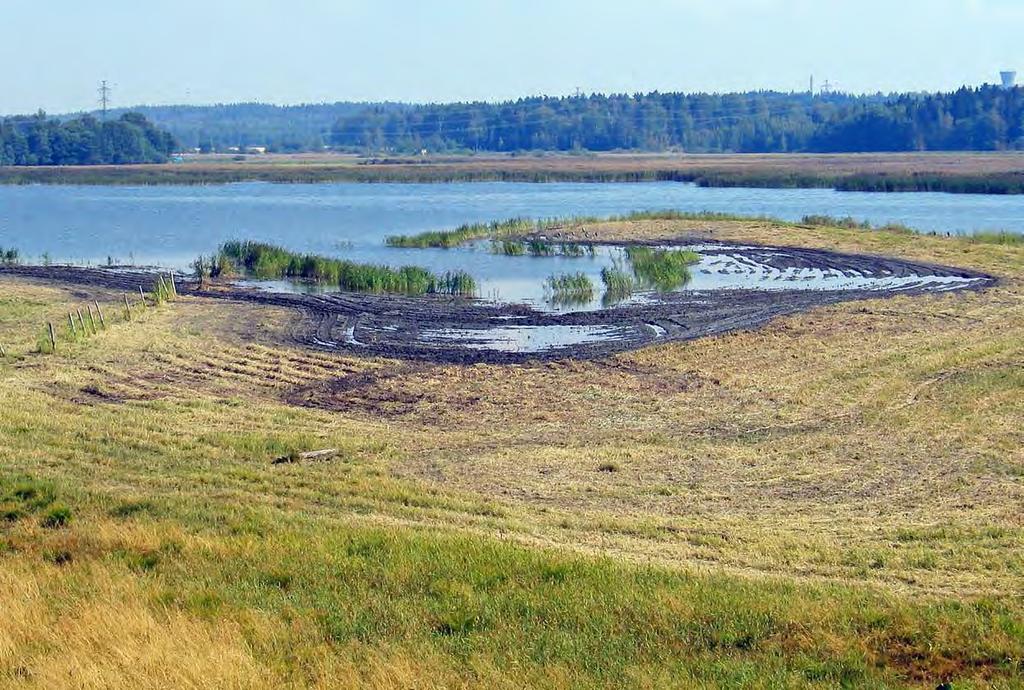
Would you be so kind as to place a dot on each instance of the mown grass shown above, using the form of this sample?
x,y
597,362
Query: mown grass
x,y
275,591
262,260
772,519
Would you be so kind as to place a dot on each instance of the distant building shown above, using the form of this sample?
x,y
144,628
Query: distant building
x,y
256,149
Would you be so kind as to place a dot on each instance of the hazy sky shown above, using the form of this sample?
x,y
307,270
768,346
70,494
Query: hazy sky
x,y
54,53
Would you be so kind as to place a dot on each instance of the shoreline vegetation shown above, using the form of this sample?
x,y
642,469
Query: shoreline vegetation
x,y
967,173
972,183
266,261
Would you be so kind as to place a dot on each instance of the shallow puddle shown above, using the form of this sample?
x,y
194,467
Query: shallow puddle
x,y
522,339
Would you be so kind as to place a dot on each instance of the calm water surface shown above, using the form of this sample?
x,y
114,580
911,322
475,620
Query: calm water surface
x,y
170,226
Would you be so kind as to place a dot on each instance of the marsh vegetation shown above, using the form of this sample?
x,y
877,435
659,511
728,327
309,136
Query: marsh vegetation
x,y
568,289
266,261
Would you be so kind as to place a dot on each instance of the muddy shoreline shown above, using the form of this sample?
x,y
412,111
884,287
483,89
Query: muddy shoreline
x,y
421,328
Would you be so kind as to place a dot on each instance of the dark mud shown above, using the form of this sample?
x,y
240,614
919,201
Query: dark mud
x,y
459,330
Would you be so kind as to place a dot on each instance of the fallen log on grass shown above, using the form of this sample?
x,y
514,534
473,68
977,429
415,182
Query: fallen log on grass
x,y
325,454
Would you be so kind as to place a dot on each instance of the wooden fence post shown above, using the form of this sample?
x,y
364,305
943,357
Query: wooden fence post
x,y
85,331
99,312
142,297
127,306
174,286
71,322
92,319
53,338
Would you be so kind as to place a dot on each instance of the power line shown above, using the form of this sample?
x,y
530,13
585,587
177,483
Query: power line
x,y
104,92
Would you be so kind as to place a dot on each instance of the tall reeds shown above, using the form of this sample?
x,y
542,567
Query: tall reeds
x,y
266,261
569,288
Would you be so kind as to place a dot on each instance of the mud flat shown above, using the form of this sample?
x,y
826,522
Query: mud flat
x,y
461,330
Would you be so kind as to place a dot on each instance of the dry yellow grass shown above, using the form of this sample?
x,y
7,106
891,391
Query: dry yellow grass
x,y
876,444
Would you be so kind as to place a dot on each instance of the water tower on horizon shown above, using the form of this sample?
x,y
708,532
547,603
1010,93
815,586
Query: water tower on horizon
x,y
1009,78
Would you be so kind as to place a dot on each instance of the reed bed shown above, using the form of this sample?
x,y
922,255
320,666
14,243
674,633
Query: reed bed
x,y
508,247
569,288
661,269
619,284
267,261
447,239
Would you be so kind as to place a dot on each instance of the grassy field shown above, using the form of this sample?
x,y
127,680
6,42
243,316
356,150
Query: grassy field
x,y
967,172
833,500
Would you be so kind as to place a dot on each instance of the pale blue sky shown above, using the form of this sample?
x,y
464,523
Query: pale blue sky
x,y
202,51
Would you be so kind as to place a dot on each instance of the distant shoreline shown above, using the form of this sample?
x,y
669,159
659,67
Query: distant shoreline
x,y
965,173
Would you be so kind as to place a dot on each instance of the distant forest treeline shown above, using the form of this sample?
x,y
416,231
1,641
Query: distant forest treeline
x,y
239,125
986,118
85,140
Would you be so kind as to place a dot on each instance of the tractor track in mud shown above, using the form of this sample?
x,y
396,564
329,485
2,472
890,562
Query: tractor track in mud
x,y
414,328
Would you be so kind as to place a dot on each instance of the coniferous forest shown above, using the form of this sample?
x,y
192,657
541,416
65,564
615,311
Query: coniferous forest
x,y
85,140
986,118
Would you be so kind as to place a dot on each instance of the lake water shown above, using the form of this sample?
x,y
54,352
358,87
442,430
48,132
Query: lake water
x,y
170,226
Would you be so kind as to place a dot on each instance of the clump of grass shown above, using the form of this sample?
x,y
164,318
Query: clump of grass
x,y
898,228
263,260
508,247
572,249
847,222
540,248
446,239
607,467
454,283
661,269
57,516
619,284
162,291
43,344
1003,237
569,288
850,223
675,214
